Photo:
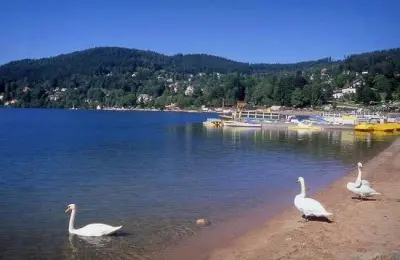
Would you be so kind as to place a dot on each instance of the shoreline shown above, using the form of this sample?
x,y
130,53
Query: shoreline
x,y
282,112
360,230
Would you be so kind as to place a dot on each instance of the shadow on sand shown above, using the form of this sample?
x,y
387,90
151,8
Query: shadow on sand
x,y
364,199
317,219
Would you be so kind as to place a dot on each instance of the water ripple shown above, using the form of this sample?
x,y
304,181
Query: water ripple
x,y
154,173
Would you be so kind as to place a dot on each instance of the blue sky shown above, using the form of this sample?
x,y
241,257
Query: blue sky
x,y
252,30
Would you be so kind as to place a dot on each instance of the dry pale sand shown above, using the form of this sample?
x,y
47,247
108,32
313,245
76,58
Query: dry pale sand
x,y
360,230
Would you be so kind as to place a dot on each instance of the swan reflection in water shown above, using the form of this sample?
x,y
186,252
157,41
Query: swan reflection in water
x,y
82,247
301,134
97,242
79,246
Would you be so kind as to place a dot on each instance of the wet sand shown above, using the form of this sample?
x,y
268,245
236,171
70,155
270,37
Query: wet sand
x,y
368,229
360,230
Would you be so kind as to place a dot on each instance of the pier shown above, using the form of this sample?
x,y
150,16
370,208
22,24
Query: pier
x,y
325,127
254,114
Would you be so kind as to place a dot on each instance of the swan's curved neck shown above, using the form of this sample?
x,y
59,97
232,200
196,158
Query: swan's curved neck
x,y
303,188
359,174
72,220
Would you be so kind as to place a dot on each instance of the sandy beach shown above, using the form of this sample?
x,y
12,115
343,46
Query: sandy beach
x,y
366,229
359,230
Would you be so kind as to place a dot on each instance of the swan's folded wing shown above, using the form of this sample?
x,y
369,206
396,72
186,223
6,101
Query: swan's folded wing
x,y
313,206
365,183
357,184
367,190
97,229
106,229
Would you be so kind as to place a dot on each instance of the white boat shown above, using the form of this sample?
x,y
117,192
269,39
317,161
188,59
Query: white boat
x,y
240,124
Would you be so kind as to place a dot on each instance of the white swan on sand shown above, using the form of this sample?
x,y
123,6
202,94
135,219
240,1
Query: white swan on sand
x,y
359,181
91,230
361,187
362,191
309,207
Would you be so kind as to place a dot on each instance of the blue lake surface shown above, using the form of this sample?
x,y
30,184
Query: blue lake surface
x,y
153,172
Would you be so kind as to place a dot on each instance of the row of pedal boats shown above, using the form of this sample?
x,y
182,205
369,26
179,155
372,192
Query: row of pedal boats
x,y
305,125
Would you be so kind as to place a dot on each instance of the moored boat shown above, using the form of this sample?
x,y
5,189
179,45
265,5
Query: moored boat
x,y
241,123
226,117
365,127
387,127
384,127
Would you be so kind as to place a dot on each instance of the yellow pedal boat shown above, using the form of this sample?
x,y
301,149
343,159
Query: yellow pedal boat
x,y
387,127
366,127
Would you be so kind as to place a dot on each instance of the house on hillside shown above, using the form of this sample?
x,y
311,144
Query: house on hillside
x,y
13,101
54,97
145,98
349,90
189,91
338,94
344,91
174,86
276,108
356,83
173,106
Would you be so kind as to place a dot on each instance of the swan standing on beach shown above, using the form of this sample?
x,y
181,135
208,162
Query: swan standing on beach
x,y
362,190
91,230
361,187
359,181
309,207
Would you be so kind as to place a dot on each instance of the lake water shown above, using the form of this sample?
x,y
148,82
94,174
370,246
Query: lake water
x,y
153,172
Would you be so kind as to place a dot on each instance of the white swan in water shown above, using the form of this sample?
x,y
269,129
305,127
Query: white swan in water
x,y
91,230
309,207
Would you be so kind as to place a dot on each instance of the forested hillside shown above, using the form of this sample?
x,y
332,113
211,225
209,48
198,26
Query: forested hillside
x,y
112,76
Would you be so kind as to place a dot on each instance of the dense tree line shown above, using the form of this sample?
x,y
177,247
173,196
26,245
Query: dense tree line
x,y
112,76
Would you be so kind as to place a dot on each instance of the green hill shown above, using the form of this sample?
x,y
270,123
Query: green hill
x,y
114,76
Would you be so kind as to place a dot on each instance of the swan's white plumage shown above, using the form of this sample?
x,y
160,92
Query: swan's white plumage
x,y
359,181
309,207
91,230
362,190
361,187
96,230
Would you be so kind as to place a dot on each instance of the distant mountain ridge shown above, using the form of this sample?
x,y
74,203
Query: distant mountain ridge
x,y
124,60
